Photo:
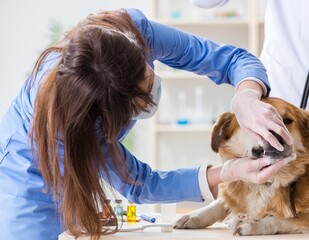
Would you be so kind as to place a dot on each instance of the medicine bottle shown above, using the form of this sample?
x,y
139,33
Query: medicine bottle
x,y
118,209
131,212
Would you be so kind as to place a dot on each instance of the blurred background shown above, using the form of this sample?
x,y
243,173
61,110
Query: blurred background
x,y
179,135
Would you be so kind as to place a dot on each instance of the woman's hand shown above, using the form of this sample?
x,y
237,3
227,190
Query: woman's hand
x,y
252,170
258,118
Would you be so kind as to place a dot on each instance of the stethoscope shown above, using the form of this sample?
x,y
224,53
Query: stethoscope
x,y
304,98
291,186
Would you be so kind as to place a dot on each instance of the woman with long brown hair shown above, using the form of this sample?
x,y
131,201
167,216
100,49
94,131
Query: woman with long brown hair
x,y
63,132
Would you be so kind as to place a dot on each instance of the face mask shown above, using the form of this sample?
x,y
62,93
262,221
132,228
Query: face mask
x,y
156,95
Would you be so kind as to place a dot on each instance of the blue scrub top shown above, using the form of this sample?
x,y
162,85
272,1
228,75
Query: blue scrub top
x,y
27,211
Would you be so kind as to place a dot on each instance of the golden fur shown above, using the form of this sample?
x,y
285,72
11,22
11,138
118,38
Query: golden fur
x,y
257,209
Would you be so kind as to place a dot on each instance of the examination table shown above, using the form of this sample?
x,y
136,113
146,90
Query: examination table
x,y
216,232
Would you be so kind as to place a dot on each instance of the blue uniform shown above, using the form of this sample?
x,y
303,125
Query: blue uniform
x,y
27,211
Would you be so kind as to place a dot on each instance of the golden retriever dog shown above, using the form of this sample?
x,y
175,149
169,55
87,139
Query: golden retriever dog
x,y
275,207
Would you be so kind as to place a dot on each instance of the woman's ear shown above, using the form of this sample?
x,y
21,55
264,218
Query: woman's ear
x,y
222,131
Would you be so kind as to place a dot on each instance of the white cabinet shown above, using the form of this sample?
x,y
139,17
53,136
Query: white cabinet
x,y
176,143
189,105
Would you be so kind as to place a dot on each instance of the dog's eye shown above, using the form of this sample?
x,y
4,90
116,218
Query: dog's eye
x,y
287,121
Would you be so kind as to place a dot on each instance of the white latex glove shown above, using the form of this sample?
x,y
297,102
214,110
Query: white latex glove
x,y
249,170
257,118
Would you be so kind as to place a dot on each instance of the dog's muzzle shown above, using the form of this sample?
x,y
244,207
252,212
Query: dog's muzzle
x,y
270,151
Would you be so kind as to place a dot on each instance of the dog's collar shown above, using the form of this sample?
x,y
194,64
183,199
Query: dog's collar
x,y
291,190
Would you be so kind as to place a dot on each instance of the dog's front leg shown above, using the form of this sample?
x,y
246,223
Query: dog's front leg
x,y
203,217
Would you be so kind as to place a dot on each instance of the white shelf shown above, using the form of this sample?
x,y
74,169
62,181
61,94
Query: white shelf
x,y
206,21
188,128
177,74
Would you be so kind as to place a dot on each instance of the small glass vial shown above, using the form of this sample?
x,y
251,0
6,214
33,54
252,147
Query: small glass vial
x,y
131,212
182,109
118,209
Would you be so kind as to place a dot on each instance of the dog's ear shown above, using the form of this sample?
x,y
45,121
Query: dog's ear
x,y
222,130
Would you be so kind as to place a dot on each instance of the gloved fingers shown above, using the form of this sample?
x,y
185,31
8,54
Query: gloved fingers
x,y
277,125
279,122
265,130
265,173
269,137
261,163
282,131
265,161
274,113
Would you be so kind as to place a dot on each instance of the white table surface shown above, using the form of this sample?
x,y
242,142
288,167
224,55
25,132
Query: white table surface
x,y
215,232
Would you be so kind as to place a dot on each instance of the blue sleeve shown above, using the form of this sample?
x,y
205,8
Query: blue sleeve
x,y
220,62
154,186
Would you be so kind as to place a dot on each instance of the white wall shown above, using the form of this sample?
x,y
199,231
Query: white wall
x,y
24,32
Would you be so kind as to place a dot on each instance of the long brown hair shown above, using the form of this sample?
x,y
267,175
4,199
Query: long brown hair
x,y
84,103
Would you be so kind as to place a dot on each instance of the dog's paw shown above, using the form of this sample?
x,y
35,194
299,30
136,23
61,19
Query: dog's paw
x,y
269,225
233,221
203,217
245,227
189,221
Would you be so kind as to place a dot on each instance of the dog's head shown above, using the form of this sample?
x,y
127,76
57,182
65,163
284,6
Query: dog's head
x,y
231,142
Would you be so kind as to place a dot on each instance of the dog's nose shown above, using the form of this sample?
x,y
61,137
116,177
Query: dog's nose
x,y
280,139
257,152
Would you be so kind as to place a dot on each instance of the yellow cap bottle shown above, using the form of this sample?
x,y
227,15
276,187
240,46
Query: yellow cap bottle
x,y
131,212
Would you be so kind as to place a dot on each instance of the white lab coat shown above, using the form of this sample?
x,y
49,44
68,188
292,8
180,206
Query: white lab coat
x,y
285,52
286,48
